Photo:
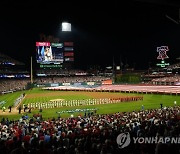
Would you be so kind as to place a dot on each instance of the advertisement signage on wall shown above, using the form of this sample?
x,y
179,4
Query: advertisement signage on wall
x,y
107,82
91,83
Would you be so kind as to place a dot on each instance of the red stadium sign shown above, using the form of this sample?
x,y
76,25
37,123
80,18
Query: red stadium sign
x,y
42,43
68,44
68,54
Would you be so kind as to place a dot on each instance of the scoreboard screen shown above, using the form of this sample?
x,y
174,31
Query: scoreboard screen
x,y
49,53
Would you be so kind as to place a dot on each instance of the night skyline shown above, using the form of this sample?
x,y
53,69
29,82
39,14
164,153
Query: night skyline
x,y
130,32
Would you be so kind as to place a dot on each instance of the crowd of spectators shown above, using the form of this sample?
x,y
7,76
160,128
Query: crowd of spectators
x,y
173,80
73,79
174,66
91,134
10,85
12,71
60,72
4,59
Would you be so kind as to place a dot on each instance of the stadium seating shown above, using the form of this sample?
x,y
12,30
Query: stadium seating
x,y
173,80
11,85
91,133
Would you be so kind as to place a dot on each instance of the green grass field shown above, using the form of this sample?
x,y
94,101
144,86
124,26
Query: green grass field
x,y
150,101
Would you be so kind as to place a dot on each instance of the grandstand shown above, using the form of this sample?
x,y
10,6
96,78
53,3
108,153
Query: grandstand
x,y
162,76
86,131
11,68
168,76
93,133
13,75
6,60
172,80
174,66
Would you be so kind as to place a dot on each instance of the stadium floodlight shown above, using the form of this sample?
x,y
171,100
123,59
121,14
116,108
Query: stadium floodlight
x,y
118,67
66,27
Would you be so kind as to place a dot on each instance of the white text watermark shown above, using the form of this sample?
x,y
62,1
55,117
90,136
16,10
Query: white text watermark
x,y
123,140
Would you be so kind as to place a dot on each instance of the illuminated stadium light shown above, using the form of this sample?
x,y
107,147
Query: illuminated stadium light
x,y
118,67
66,27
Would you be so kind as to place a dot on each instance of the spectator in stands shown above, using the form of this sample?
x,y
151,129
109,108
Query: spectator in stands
x,y
93,134
25,117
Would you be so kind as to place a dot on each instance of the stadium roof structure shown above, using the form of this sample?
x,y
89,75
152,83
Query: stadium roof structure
x,y
4,59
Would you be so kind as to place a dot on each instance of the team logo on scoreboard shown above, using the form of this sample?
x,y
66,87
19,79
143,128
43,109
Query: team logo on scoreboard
x,y
162,52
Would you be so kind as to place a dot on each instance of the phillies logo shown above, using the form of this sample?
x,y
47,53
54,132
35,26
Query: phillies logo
x,y
162,52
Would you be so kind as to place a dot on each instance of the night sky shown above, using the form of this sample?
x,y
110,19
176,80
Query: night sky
x,y
128,31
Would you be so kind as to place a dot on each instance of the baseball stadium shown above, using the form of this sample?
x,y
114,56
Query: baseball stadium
x,y
49,105
58,92
59,98
76,97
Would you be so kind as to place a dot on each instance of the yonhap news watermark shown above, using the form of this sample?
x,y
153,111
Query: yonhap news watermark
x,y
124,139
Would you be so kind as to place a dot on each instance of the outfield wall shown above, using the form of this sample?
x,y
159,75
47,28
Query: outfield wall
x,y
76,84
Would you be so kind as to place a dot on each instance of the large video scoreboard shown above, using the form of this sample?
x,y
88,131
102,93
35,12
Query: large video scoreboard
x,y
48,53
51,55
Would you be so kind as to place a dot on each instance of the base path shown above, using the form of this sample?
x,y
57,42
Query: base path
x,y
13,111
